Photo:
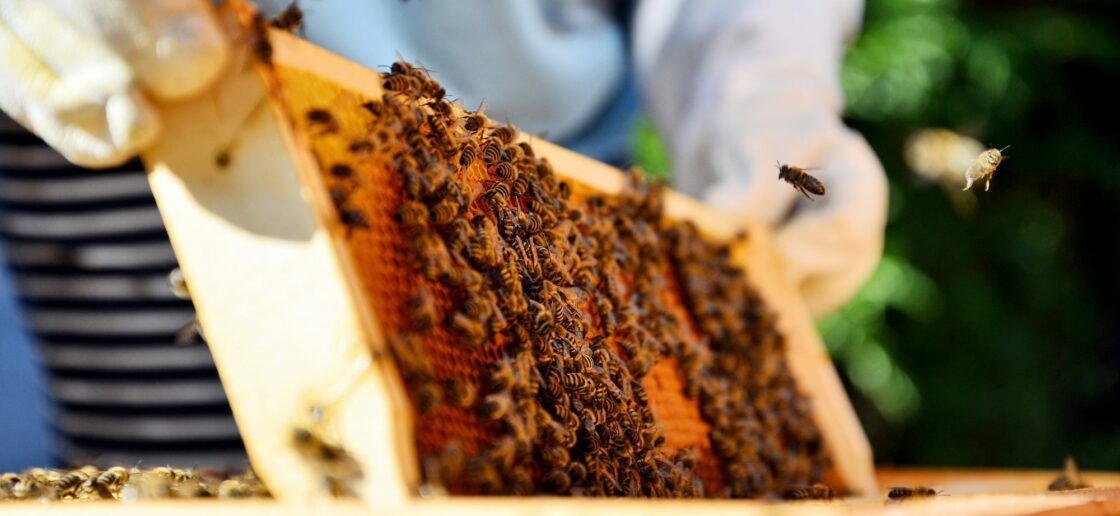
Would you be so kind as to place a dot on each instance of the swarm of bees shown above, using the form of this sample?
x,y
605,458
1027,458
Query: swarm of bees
x,y
118,483
526,314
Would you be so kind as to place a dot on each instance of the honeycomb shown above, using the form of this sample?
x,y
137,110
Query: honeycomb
x,y
552,339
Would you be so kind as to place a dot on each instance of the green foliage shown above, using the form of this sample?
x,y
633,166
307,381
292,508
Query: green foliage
x,y
649,151
989,338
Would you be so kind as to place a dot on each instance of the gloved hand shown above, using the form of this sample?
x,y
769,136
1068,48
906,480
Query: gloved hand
x,y
81,73
737,85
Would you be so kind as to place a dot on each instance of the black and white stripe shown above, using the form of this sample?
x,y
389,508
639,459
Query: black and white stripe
x,y
89,257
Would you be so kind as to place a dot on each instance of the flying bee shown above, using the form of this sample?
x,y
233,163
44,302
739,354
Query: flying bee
x,y
984,167
813,492
902,493
323,120
801,181
290,19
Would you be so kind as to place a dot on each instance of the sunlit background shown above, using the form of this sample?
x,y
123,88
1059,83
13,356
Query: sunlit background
x,y
988,336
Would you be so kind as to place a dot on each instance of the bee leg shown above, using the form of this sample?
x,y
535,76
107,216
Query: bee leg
x,y
987,183
187,333
968,184
804,192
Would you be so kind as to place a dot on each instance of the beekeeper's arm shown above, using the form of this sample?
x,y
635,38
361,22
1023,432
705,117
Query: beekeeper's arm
x,y
736,85
81,73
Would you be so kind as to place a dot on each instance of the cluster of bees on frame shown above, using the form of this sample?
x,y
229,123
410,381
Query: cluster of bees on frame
x,y
566,300
118,483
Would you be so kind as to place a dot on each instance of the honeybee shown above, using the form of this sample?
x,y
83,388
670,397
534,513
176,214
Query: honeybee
x,y
290,19
902,493
424,310
178,284
472,330
504,134
428,396
260,44
352,219
322,119
360,147
67,483
432,254
401,84
491,152
505,171
412,214
557,481
189,333
467,154
497,405
474,122
984,167
445,211
464,278
813,492
801,181
1069,479
342,171
461,392
340,470
483,248
108,483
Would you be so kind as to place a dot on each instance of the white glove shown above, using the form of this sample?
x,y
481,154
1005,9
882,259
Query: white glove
x,y
737,85
81,73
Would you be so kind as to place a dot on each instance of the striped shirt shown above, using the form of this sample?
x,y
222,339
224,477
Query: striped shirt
x,y
88,258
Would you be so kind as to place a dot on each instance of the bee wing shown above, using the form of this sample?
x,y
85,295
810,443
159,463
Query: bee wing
x,y
975,171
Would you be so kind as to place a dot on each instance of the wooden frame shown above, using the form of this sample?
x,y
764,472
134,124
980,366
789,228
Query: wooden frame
x,y
278,300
